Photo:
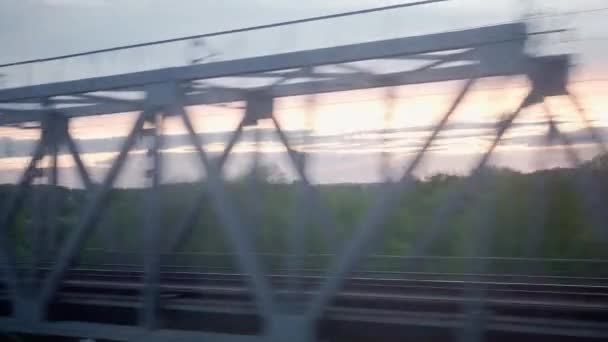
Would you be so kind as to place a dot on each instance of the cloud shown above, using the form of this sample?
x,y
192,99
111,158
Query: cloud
x,y
398,140
324,167
334,158
576,137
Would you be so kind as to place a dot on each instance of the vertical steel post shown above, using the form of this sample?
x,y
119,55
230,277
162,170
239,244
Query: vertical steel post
x,y
253,208
300,220
36,232
52,205
476,291
152,238
385,157
538,215
297,248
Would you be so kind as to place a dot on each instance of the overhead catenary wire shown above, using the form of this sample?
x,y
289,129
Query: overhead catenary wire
x,y
304,20
488,43
229,31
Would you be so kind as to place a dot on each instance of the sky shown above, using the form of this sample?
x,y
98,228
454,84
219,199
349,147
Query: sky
x,y
347,143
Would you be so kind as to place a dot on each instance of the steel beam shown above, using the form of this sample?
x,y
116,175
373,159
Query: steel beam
x,y
8,265
457,198
36,233
82,170
334,55
300,221
582,114
476,292
11,208
330,230
488,68
494,51
189,221
539,212
152,230
595,201
90,217
369,228
236,232
52,205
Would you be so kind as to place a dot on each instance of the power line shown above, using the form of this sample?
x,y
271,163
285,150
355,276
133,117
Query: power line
x,y
230,31
563,14
488,43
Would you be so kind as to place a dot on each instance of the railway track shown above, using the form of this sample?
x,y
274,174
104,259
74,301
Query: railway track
x,y
219,301
193,284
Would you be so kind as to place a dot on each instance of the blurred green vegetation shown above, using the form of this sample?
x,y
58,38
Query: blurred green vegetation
x,y
544,214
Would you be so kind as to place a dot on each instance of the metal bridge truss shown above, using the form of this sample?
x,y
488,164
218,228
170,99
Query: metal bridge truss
x,y
158,94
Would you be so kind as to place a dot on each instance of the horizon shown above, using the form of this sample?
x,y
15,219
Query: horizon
x,y
352,148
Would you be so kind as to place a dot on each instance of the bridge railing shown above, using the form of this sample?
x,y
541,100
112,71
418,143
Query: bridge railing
x,y
36,296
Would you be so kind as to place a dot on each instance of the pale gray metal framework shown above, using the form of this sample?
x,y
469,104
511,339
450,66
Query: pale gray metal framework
x,y
488,51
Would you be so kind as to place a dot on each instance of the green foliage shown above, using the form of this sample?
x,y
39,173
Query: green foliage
x,y
541,214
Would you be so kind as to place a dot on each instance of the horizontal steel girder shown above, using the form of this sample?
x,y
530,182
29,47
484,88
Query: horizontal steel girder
x,y
493,51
